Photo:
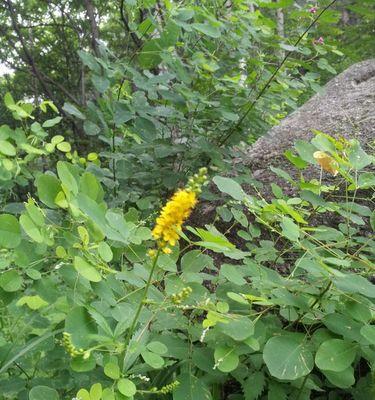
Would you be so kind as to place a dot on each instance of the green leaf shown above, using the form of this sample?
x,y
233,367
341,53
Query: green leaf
x,y
126,387
83,394
207,29
191,388
305,151
80,325
195,261
43,393
239,328
152,359
91,128
366,180
48,187
112,370
8,99
80,364
343,325
157,347
287,357
282,174
108,394
231,187
10,281
226,359
105,252
33,302
233,274
290,229
167,263
295,160
343,379
101,83
7,148
357,157
66,175
96,391
65,147
51,122
150,54
368,332
31,229
254,385
335,355
353,283
73,110
87,270
10,231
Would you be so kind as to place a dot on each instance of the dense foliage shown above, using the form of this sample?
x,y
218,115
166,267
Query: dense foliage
x,y
102,295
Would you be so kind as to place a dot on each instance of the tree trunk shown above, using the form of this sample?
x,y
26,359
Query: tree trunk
x,y
90,10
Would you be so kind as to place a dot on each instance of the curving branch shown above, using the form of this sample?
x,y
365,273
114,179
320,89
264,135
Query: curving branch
x,y
124,20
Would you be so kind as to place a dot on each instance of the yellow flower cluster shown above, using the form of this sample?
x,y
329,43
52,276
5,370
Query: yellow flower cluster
x,y
173,215
168,225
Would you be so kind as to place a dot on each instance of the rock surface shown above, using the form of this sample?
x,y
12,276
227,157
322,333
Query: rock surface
x,y
346,106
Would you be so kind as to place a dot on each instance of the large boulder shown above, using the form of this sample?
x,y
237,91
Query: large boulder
x,y
345,106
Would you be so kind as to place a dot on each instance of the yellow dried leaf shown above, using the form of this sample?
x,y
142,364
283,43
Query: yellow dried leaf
x,y
327,163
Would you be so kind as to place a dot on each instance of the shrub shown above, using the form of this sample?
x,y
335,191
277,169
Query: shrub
x,y
93,309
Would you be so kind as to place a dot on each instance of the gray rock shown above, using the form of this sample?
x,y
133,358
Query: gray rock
x,y
346,107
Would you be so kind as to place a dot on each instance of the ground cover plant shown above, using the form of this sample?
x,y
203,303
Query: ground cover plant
x,y
119,123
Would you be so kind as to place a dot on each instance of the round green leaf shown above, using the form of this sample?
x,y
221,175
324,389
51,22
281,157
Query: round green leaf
x,y
343,379
96,391
226,359
105,252
157,347
238,329
65,147
86,270
7,148
287,358
152,359
10,231
126,387
10,281
112,370
335,355
80,364
48,187
83,394
43,393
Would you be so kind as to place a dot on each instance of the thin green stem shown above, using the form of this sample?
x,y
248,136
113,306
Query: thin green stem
x,y
141,303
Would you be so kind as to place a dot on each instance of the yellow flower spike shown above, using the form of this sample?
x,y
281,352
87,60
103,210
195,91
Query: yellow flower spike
x,y
327,162
173,215
177,210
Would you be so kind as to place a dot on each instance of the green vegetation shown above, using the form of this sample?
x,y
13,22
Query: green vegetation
x,y
101,297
